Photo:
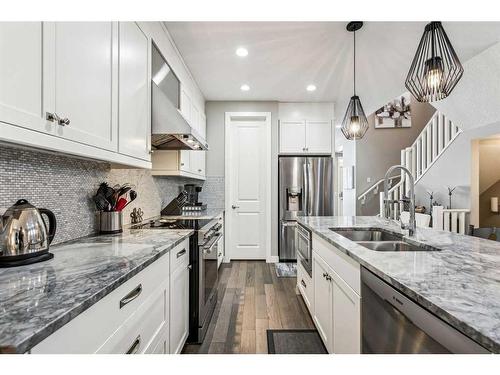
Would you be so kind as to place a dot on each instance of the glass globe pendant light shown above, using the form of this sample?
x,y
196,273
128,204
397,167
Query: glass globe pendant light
x,y
436,69
354,125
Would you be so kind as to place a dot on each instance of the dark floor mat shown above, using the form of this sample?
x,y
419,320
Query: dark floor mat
x,y
294,341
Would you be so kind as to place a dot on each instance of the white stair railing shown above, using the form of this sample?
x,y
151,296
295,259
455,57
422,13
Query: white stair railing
x,y
430,144
450,220
374,189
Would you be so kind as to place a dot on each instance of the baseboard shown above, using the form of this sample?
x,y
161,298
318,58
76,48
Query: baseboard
x,y
273,259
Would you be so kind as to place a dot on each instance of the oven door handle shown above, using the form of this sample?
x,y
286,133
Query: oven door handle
x,y
208,248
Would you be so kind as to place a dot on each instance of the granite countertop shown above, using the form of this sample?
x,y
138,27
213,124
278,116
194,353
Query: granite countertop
x,y
37,299
209,213
460,283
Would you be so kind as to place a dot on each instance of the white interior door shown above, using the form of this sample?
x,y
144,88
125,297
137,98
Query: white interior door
x,y
248,185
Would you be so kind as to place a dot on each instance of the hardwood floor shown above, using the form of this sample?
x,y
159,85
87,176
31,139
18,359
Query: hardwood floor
x,y
251,299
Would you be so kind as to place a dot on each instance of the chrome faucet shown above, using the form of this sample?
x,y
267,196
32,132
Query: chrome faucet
x,y
411,227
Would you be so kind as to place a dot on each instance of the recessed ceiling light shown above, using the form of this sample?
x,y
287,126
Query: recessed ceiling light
x,y
311,88
245,87
242,52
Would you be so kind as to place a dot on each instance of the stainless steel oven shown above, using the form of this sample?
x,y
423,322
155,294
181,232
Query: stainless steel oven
x,y
303,243
206,278
207,244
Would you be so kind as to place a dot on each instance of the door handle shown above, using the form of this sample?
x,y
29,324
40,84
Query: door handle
x,y
234,207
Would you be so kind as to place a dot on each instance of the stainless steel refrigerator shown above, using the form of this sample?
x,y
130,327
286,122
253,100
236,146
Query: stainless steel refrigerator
x,y
305,188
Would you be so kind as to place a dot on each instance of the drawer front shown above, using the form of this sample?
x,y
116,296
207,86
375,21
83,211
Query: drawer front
x,y
305,285
89,330
160,344
179,256
346,267
139,331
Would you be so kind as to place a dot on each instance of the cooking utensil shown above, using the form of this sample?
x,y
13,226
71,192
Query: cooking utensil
x,y
120,205
132,196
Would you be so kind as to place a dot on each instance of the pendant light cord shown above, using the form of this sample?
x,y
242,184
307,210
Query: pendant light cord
x,y
354,88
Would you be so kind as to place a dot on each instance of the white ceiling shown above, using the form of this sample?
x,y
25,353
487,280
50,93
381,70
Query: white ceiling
x,y
284,57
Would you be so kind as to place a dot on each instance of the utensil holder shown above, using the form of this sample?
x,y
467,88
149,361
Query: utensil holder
x,y
110,222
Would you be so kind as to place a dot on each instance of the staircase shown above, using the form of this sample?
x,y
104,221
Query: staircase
x,y
431,143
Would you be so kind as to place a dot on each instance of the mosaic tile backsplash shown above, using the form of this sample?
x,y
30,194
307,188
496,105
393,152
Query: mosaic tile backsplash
x,y
66,185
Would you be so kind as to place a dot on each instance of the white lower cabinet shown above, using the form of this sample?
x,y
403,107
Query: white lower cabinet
x,y
337,304
147,314
346,325
179,299
323,301
305,286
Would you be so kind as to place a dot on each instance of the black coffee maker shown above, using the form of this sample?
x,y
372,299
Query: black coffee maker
x,y
192,191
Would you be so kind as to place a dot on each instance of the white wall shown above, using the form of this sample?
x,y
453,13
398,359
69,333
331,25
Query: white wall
x,y
474,101
454,169
489,171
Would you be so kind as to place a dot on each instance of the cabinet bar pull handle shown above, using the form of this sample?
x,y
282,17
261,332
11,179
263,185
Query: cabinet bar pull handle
x,y
181,253
303,283
135,346
131,296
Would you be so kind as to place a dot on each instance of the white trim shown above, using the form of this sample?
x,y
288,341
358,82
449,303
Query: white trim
x,y
267,116
273,259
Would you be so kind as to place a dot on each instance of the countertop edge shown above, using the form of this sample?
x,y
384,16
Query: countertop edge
x,y
457,324
27,344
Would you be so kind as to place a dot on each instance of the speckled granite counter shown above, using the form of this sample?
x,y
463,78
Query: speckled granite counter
x,y
37,299
460,283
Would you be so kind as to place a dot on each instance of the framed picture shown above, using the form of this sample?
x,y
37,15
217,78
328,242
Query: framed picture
x,y
395,114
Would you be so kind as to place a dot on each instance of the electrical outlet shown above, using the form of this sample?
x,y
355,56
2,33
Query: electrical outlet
x,y
368,179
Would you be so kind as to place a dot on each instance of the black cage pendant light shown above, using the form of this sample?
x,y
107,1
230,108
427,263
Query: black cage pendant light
x,y
436,69
354,124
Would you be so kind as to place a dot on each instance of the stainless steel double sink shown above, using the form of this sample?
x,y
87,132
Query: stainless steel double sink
x,y
379,240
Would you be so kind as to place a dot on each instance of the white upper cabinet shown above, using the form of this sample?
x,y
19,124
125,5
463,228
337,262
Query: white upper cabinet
x,y
22,75
203,126
83,88
198,159
318,136
185,105
134,92
305,136
185,160
85,73
292,136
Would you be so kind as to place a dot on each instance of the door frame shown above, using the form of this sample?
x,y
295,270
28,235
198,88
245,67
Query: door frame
x,y
228,224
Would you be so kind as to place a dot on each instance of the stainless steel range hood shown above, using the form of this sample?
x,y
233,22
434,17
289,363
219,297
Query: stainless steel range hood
x,y
170,131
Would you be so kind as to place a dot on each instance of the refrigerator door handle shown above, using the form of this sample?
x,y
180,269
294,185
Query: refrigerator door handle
x,y
305,171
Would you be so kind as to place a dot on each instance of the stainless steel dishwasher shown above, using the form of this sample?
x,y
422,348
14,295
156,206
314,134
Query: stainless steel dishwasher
x,y
392,323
